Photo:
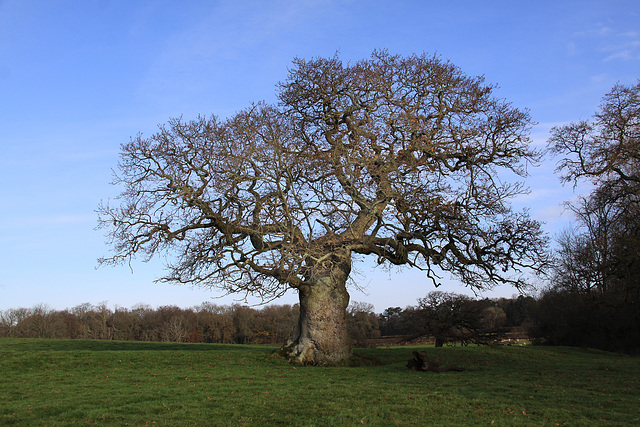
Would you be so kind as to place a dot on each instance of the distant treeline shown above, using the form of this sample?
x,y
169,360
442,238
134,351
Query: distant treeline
x,y
207,322
272,324
555,317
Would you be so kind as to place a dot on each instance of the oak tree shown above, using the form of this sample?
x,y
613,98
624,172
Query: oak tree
x,y
451,317
406,159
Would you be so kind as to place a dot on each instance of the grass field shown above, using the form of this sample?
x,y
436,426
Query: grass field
x,y
62,382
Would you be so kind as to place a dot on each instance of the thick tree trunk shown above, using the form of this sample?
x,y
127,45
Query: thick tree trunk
x,y
322,337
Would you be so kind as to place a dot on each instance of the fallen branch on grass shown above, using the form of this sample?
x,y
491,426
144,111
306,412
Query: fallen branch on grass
x,y
420,362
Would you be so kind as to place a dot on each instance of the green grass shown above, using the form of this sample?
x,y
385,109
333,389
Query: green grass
x,y
62,382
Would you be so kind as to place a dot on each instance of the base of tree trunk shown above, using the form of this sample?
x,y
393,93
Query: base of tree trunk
x,y
290,352
306,353
420,362
322,336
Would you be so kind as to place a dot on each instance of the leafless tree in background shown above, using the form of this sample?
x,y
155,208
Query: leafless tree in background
x,y
595,296
603,254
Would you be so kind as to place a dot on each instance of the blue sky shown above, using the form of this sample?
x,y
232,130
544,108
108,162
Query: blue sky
x,y
78,78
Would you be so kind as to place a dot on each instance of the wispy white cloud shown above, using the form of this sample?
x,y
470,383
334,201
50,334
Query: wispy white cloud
x,y
615,45
599,30
631,34
232,54
201,58
626,51
572,48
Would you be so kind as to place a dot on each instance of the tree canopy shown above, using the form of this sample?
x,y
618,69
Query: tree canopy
x,y
406,159
606,148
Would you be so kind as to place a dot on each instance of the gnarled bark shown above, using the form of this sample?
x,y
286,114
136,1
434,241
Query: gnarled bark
x,y
322,337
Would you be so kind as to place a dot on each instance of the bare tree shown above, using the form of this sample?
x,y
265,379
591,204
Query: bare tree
x,y
603,253
449,317
403,158
362,322
175,329
607,148
12,322
594,298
